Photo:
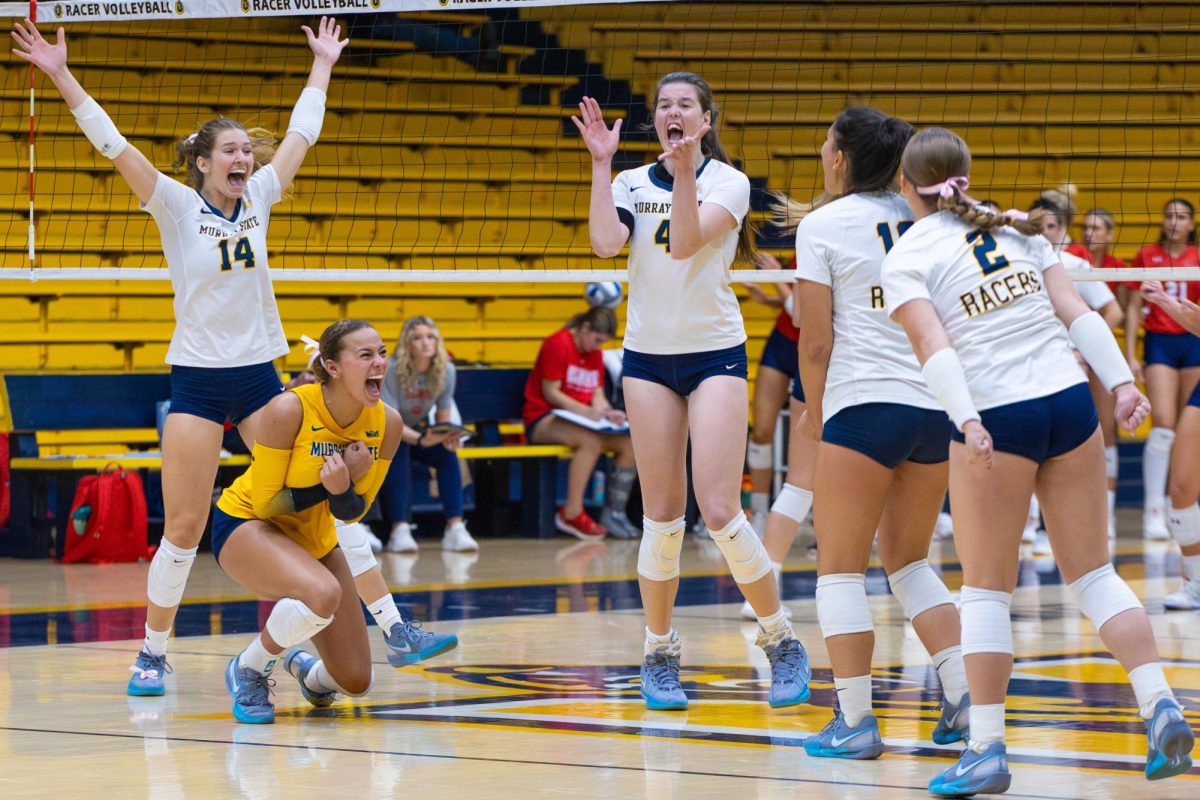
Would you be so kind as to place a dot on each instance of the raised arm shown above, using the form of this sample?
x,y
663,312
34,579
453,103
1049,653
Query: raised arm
x,y
309,112
99,128
607,232
692,225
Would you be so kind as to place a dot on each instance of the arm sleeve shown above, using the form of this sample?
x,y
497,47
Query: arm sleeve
x,y
903,279
267,495
370,485
732,193
812,253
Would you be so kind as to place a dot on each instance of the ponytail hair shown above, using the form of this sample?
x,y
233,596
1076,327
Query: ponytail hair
x,y
598,318
937,162
711,146
330,345
200,145
873,143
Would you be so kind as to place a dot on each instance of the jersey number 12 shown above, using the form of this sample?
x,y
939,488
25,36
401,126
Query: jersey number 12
x,y
241,252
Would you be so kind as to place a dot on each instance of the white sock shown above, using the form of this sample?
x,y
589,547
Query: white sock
x,y
258,658
776,627
319,680
952,674
987,725
155,642
1191,571
760,502
1112,502
1149,686
659,641
777,568
1156,463
385,613
854,698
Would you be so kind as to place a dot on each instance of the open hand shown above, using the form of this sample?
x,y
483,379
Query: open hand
x,y
601,141
682,153
33,48
326,44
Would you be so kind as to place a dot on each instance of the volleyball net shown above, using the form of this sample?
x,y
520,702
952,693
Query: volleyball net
x,y
448,153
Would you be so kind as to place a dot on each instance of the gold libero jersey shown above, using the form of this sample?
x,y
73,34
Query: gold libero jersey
x,y
319,436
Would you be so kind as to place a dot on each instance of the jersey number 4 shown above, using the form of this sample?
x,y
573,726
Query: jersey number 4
x,y
241,252
884,231
663,235
984,245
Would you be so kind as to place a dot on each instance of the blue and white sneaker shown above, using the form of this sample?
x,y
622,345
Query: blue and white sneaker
x,y
790,671
408,644
1171,740
839,740
660,682
251,692
298,664
954,723
983,772
148,673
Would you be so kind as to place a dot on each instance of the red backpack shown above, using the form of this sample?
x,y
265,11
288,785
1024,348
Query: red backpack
x,y
108,519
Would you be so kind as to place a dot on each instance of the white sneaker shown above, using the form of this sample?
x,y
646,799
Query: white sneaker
x,y
758,521
402,540
1188,596
1112,527
1154,525
1029,535
749,615
1041,544
944,527
373,540
456,539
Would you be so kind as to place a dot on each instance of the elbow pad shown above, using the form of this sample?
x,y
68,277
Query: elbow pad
x,y
1095,341
946,380
99,128
308,115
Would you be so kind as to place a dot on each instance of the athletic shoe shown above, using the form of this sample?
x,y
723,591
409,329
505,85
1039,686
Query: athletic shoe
x,y
1188,597
1029,535
1154,525
749,615
1170,739
373,540
758,521
952,725
298,663
581,526
408,644
401,540
619,525
251,692
1041,544
790,671
458,565
839,740
148,672
984,772
660,682
944,527
457,539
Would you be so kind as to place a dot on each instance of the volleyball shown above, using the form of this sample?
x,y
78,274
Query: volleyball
x,y
605,293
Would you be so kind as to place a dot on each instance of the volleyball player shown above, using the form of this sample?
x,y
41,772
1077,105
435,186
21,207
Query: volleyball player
x,y
214,236
1099,233
881,461
982,305
1171,355
779,523
685,366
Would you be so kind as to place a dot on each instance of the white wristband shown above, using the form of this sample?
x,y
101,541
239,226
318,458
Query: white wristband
x,y
308,115
945,378
1095,341
99,128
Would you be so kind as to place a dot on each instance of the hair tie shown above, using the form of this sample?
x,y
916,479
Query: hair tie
x,y
311,346
946,188
1017,216
190,138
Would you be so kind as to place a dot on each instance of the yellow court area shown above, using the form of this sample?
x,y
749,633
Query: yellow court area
x,y
541,697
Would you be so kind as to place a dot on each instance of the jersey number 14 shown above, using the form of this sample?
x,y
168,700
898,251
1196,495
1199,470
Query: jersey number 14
x,y
241,252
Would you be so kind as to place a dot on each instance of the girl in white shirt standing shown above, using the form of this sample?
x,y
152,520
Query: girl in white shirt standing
x,y
981,303
227,328
881,462
685,366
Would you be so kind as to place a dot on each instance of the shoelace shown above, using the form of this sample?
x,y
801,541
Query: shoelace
x,y
256,688
831,726
412,631
151,666
665,672
788,661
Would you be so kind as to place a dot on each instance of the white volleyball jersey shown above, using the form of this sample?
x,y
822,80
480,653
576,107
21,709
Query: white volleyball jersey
x,y
1095,293
682,306
842,245
988,291
225,312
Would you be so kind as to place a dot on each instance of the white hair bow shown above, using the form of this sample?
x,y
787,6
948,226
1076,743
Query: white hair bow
x,y
312,347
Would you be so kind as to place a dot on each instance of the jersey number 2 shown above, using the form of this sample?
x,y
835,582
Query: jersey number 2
x,y
241,252
985,252
663,235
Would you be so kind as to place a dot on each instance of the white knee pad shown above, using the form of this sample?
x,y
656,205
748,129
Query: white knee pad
x,y
353,539
918,588
793,502
743,550
1101,595
291,622
842,604
168,574
1184,524
658,557
1112,462
986,624
1159,441
759,456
